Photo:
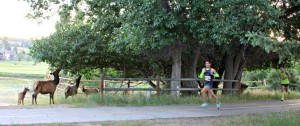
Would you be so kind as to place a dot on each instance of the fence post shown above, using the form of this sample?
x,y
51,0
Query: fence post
x,y
239,88
158,86
127,92
102,84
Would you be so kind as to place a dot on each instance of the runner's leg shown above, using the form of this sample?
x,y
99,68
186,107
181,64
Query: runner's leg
x,y
282,92
203,94
213,95
287,89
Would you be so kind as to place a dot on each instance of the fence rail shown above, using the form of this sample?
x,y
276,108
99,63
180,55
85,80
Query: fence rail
x,y
156,80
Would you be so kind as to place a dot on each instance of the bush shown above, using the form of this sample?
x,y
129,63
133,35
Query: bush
x,y
272,77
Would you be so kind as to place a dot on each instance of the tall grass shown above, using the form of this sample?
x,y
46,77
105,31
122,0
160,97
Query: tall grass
x,y
125,100
140,99
290,118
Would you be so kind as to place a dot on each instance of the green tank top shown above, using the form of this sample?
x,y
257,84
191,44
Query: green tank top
x,y
286,78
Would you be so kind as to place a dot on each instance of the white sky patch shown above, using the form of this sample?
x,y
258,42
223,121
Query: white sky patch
x,y
14,24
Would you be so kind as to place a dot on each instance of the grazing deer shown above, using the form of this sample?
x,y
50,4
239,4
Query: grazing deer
x,y
88,91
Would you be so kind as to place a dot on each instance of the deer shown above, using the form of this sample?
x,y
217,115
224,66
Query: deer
x,y
47,87
88,91
72,90
21,96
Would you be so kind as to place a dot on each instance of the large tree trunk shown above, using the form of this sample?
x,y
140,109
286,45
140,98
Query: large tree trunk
x,y
228,73
189,66
234,65
221,71
176,67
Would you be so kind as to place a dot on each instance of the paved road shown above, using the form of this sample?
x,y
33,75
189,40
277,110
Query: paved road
x,y
52,115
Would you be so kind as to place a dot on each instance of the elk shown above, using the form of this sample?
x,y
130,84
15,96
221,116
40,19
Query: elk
x,y
88,91
47,87
72,90
21,96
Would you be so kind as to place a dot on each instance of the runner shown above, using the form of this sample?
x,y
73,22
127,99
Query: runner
x,y
208,73
285,76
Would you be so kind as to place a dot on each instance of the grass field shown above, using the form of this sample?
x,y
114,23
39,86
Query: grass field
x,y
290,118
17,75
22,69
140,99
31,73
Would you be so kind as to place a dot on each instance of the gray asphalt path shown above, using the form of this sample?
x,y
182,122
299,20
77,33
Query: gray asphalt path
x,y
64,115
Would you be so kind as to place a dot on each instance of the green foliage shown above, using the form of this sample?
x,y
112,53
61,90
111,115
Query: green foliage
x,y
272,77
137,37
274,81
286,50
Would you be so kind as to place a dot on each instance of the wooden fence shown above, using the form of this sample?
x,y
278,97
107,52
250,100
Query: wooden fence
x,y
262,82
157,81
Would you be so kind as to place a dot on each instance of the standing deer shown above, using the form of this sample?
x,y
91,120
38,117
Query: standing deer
x,y
21,96
72,90
47,87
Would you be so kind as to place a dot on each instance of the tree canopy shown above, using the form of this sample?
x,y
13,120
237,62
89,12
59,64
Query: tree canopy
x,y
169,37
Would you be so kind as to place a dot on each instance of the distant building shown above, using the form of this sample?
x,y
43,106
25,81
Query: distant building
x,y
7,55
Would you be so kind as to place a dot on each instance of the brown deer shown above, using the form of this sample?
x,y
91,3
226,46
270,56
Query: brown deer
x,y
88,91
21,96
47,87
72,90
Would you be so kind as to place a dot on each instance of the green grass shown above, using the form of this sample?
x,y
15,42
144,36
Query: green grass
x,y
290,118
12,87
22,75
139,99
22,69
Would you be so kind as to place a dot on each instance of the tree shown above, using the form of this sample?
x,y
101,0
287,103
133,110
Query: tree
x,y
119,18
234,27
167,38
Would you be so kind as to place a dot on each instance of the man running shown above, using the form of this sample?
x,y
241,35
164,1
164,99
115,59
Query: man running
x,y
208,73
285,76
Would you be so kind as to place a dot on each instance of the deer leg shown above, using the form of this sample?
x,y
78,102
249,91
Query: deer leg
x,y
18,101
50,98
33,99
53,98
22,101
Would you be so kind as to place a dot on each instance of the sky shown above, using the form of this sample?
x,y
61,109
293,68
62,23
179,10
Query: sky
x,y
14,24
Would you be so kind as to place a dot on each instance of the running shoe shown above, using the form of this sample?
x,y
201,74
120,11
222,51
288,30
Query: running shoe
x,y
204,105
218,105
